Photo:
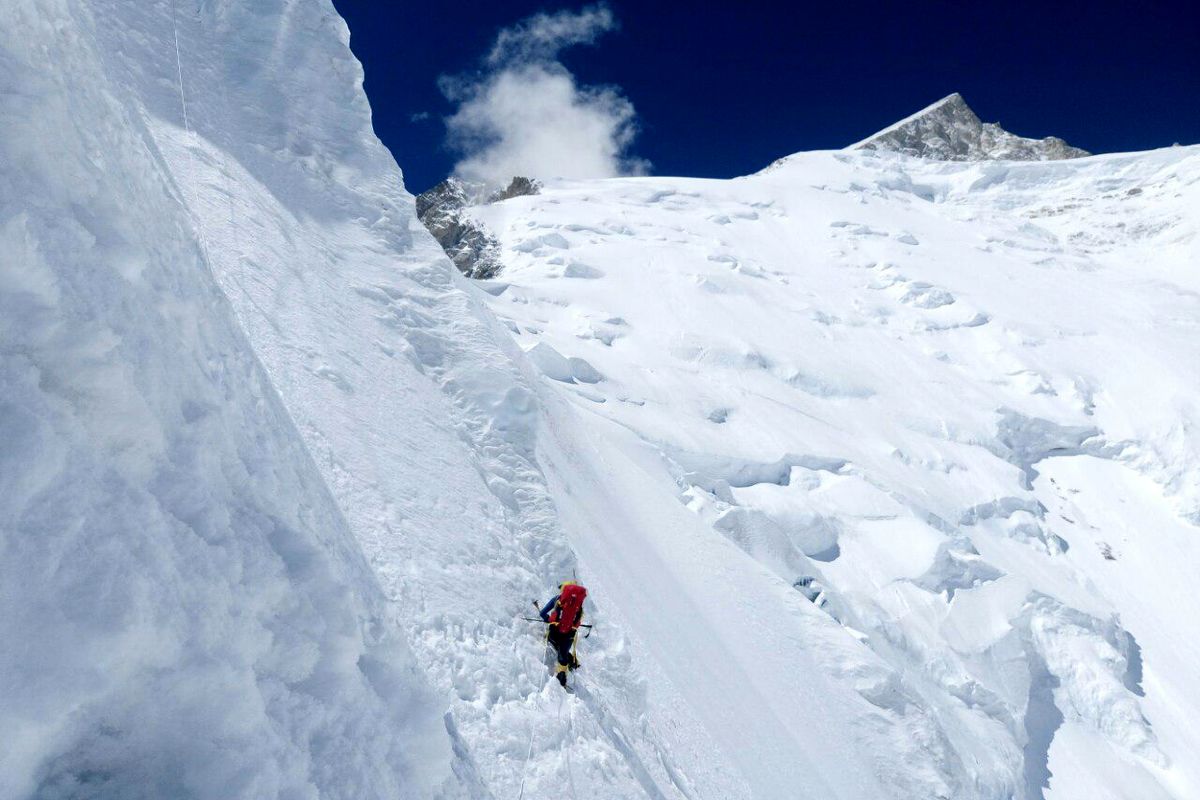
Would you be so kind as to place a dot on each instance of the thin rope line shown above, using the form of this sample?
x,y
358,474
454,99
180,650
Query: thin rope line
x,y
199,222
179,69
525,767
570,734
532,731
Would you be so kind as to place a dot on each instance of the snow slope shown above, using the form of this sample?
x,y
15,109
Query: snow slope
x,y
962,396
422,417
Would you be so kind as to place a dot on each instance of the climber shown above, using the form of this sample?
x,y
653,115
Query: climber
x,y
564,615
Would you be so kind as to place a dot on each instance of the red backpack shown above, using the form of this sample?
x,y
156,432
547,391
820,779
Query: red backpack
x,y
569,612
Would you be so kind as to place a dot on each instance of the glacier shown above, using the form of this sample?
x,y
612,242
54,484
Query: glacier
x,y
279,482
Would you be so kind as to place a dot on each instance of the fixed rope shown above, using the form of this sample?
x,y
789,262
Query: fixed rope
x,y
179,69
187,127
571,735
525,767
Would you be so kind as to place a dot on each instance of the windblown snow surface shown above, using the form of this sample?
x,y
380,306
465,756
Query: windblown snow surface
x,y
277,483
961,395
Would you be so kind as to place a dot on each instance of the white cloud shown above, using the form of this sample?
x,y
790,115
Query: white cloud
x,y
542,36
525,114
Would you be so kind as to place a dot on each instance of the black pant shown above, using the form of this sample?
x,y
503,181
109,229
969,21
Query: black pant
x,y
561,641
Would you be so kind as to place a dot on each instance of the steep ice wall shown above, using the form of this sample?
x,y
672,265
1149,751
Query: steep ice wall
x,y
184,610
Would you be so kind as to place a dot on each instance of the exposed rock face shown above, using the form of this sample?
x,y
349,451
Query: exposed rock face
x,y
468,243
949,130
517,188
472,248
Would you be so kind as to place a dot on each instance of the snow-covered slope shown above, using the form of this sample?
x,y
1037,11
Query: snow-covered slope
x,y
949,130
279,483
960,395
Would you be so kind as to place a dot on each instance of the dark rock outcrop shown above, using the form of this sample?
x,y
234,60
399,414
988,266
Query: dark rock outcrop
x,y
949,130
467,241
519,187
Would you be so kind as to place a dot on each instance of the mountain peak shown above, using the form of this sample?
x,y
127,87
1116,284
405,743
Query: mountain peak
x,y
949,130
954,101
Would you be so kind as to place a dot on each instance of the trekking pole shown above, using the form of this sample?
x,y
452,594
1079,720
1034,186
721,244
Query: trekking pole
x,y
539,619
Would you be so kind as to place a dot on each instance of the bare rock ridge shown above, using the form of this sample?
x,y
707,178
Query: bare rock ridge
x,y
472,248
949,130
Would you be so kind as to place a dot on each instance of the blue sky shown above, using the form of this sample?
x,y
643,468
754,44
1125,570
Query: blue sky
x,y
724,89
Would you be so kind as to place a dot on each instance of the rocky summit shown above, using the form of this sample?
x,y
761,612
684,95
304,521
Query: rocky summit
x,y
949,130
